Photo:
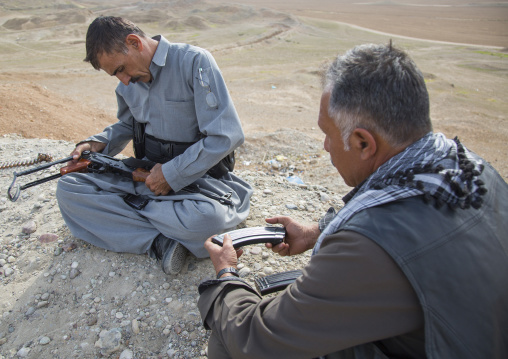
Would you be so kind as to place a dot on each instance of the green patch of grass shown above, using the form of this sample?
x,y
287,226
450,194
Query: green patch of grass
x,y
490,53
479,68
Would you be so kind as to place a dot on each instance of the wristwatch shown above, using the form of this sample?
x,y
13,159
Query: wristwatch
x,y
231,270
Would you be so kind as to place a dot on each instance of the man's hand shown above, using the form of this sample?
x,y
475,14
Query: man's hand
x,y
225,256
92,146
299,238
156,181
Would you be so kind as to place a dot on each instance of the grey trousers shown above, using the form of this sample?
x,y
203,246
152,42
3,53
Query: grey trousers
x,y
93,208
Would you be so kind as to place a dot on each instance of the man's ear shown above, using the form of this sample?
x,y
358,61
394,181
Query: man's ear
x,y
134,41
364,142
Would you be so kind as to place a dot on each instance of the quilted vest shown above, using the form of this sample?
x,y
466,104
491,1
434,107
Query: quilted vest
x,y
457,262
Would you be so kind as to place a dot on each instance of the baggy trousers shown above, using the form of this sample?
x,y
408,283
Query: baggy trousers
x,y
93,208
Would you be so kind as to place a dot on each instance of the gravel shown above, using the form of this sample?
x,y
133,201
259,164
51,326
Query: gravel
x,y
63,298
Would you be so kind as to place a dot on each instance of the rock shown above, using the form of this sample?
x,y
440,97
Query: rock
x,y
48,238
44,340
42,304
244,272
74,273
127,354
109,341
29,227
324,197
68,247
92,320
23,352
8,272
135,326
256,250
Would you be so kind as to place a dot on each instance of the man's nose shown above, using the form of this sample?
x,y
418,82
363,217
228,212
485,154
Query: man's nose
x,y
124,78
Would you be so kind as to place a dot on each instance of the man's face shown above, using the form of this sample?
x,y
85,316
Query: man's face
x,y
129,67
344,161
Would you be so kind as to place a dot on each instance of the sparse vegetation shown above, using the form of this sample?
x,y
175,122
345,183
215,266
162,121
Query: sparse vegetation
x,y
490,53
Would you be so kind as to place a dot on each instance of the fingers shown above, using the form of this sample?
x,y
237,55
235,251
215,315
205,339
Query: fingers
x,y
278,220
209,244
156,182
281,249
227,241
76,154
227,245
83,146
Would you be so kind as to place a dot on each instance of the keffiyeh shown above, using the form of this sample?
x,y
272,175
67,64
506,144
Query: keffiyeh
x,y
441,170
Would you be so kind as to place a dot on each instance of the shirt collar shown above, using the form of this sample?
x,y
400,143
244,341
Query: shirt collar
x,y
159,58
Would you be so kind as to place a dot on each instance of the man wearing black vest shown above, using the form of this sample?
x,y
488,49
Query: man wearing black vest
x,y
415,265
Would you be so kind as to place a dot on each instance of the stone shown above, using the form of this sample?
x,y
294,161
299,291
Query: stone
x,y
256,250
135,326
74,273
23,352
29,227
109,341
48,238
127,354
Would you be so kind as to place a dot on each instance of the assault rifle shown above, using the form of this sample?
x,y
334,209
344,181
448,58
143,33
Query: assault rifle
x,y
92,162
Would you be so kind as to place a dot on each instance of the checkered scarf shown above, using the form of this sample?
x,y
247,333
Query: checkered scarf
x,y
440,170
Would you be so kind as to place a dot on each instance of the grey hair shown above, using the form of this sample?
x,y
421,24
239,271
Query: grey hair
x,y
378,88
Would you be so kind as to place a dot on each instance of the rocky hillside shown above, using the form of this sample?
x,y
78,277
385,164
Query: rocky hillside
x,y
62,298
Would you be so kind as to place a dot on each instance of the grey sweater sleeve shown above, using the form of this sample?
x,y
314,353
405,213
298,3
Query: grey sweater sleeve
x,y
350,293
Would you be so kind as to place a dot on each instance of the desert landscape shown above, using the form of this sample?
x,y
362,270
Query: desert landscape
x,y
61,298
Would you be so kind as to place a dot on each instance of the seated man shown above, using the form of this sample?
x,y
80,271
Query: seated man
x,y
416,263
173,100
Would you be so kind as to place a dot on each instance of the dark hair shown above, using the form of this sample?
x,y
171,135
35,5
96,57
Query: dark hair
x,y
106,34
379,88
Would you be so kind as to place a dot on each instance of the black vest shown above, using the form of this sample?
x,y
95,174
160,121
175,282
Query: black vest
x,y
457,263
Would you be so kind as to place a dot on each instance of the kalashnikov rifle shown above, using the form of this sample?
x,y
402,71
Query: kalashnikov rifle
x,y
92,162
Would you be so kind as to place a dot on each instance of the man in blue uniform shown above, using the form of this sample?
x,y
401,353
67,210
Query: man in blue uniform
x,y
174,98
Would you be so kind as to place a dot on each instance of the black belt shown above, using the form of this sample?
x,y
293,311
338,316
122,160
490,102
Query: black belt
x,y
162,151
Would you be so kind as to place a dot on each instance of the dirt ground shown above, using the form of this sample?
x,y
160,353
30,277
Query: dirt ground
x,y
270,53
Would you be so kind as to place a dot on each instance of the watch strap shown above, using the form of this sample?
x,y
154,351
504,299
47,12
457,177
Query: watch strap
x,y
231,270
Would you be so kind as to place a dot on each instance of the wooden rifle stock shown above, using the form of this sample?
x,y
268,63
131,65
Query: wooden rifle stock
x,y
140,175
80,166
